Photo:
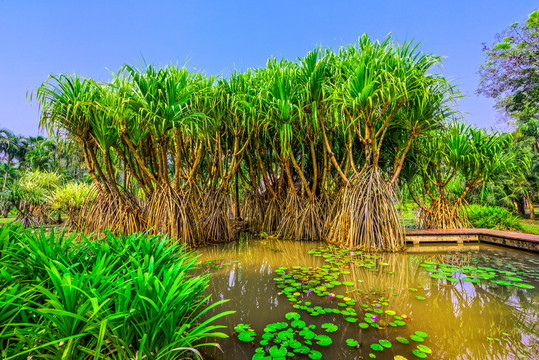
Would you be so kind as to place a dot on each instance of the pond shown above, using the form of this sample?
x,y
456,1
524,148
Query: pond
x,y
314,301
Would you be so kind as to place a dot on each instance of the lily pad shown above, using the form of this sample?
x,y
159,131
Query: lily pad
x,y
300,324
352,342
402,340
292,315
329,327
424,348
242,327
277,351
524,286
420,354
323,340
302,350
246,336
377,347
385,343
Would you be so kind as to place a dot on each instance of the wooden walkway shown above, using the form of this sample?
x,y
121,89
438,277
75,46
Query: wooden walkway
x,y
513,239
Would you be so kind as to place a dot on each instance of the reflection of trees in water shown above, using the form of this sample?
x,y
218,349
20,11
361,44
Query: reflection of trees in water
x,y
249,284
468,313
457,316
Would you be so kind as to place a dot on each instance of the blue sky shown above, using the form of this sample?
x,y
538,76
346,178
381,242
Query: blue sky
x,y
38,38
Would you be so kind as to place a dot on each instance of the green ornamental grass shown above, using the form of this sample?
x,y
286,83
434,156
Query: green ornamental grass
x,y
119,297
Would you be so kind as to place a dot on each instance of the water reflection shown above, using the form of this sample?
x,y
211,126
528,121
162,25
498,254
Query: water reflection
x,y
459,317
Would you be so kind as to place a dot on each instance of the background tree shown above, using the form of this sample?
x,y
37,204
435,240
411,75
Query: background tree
x,y
511,76
12,147
456,152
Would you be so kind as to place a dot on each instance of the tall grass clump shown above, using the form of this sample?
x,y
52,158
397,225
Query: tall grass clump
x,y
492,217
119,297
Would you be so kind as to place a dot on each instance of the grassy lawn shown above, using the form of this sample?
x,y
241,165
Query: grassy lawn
x,y
530,226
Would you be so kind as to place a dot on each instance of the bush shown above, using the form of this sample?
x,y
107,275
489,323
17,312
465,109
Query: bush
x,y
29,196
492,217
70,198
121,297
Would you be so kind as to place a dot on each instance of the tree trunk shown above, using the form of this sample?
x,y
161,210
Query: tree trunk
x,y
530,206
238,215
520,206
5,175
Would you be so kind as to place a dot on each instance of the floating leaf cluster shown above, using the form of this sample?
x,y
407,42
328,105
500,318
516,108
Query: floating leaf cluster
x,y
282,339
315,291
473,274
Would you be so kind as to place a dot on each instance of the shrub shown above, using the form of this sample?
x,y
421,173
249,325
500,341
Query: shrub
x,y
492,217
70,198
29,196
120,297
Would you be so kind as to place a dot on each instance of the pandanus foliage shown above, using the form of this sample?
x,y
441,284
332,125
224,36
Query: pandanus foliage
x,y
117,297
69,198
456,152
290,147
30,196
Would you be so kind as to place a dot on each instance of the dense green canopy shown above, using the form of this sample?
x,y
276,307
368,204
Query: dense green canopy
x,y
298,146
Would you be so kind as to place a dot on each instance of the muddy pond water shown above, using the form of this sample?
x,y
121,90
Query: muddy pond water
x,y
303,300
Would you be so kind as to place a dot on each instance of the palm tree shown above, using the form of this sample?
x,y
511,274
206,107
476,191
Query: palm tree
x,y
456,151
12,147
307,142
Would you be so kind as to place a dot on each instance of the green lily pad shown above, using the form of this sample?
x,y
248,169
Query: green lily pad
x,y
259,356
420,354
385,343
424,348
402,340
424,335
302,350
524,286
315,355
300,324
277,351
501,282
416,338
242,327
323,340
352,342
329,327
292,315
246,336
377,347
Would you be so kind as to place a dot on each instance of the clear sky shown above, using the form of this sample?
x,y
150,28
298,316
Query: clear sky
x,y
38,38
